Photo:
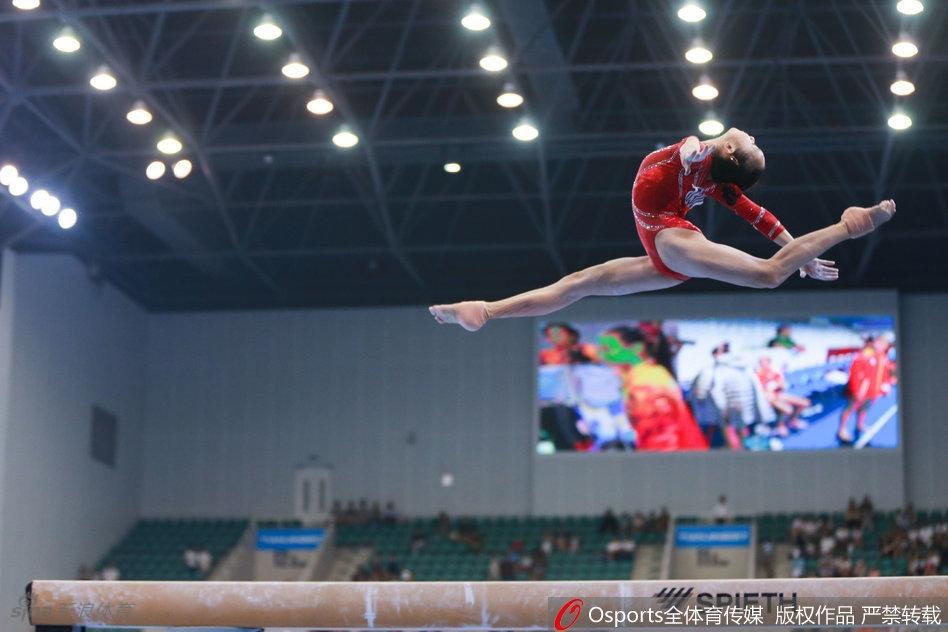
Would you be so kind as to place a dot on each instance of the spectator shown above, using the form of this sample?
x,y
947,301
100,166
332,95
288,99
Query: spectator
x,y
375,514
393,568
418,542
493,568
444,523
191,557
111,573
546,544
84,573
609,523
866,509
204,560
407,575
574,544
853,515
620,549
390,516
767,551
721,513
664,518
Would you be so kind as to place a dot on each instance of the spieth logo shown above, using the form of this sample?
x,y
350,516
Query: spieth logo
x,y
673,597
568,615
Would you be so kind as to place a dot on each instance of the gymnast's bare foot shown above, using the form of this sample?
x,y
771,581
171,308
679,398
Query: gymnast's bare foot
x,y
469,314
861,221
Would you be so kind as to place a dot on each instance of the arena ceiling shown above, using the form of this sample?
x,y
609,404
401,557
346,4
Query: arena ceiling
x,y
274,214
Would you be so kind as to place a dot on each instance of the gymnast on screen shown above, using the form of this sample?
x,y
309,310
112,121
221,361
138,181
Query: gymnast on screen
x,y
670,182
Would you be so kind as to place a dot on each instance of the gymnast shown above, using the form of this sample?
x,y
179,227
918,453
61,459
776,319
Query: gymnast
x,y
669,183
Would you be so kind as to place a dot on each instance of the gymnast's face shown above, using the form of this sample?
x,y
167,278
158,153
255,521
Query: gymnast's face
x,y
737,141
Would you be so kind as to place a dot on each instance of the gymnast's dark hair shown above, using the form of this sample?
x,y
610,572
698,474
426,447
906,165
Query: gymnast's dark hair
x,y
740,169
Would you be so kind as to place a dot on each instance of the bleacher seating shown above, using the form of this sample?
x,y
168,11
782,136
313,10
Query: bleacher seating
x,y
153,549
445,559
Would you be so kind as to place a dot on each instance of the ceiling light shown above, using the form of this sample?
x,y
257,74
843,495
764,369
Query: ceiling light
x,y
902,86
904,48
509,98
900,121
711,126
67,218
525,132
169,144
699,54
103,79
452,167
267,29
345,139
493,61
8,174
320,105
26,5
66,41
691,12
910,7
50,206
705,90
155,170
182,169
475,20
139,114
39,198
295,68
19,186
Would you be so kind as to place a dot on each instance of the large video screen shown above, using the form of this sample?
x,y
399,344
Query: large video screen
x,y
737,384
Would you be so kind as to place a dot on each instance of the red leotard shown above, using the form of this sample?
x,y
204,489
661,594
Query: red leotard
x,y
662,195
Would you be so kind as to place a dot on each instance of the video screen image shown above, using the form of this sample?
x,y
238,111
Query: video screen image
x,y
737,384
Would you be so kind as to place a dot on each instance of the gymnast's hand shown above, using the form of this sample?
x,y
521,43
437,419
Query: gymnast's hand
x,y
820,269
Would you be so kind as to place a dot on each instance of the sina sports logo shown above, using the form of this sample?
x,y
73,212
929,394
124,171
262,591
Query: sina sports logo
x,y
568,615
673,597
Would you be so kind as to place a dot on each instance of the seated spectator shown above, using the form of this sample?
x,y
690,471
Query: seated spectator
x,y
444,523
546,544
393,568
493,568
866,510
664,518
620,549
191,557
418,542
574,544
638,522
767,551
111,573
508,570
407,575
204,560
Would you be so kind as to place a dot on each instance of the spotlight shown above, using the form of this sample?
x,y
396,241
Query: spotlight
x,y
910,7
39,198
8,174
295,68
452,167
66,41
345,138
525,132
169,144
267,29
711,126
19,186
509,98
904,48
902,86
182,169
691,12
155,170
493,61
67,218
50,206
26,5
475,19
900,121
698,54
320,105
139,114
103,79
705,90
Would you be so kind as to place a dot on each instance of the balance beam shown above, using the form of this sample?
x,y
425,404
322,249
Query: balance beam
x,y
65,605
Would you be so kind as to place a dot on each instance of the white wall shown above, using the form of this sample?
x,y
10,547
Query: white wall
x,y
924,371
236,399
71,345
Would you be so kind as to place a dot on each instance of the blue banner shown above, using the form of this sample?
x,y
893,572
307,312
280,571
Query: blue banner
x,y
289,539
713,536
